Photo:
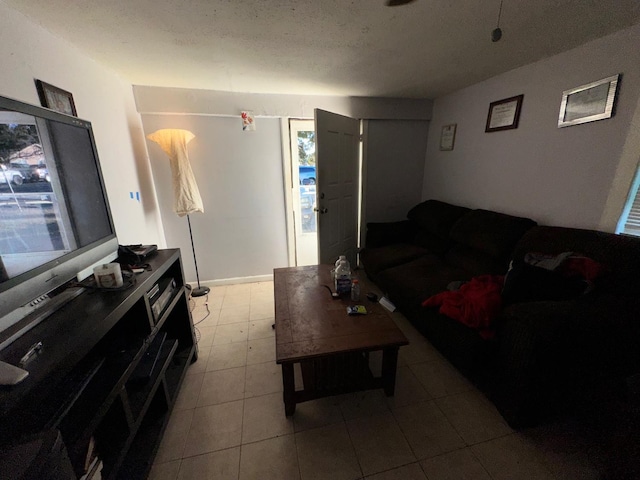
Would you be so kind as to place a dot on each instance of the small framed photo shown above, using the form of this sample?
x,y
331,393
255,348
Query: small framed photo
x,y
55,98
594,101
448,137
504,114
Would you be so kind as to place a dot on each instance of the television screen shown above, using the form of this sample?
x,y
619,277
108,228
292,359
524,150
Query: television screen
x,y
53,206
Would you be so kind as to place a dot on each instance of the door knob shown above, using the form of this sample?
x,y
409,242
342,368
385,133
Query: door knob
x,y
320,210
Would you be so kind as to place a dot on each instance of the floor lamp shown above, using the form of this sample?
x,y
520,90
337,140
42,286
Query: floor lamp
x,y
198,291
186,196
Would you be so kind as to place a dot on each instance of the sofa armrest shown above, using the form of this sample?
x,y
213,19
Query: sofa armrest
x,y
595,336
528,330
533,361
388,233
551,352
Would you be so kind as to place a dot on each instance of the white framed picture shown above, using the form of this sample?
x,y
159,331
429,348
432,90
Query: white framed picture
x,y
448,137
588,103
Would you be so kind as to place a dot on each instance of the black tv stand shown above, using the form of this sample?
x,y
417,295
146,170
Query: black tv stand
x,y
37,311
83,383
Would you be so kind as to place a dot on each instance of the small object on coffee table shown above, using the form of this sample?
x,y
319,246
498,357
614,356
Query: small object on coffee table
x,y
386,303
356,310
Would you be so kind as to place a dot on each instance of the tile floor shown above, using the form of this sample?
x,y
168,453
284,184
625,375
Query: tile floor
x,y
229,422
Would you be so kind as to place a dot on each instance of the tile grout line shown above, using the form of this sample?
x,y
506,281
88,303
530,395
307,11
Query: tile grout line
x,y
346,426
244,390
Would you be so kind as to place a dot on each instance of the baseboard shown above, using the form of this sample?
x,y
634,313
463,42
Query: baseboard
x,y
234,281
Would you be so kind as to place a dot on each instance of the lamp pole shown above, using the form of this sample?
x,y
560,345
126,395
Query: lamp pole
x,y
198,291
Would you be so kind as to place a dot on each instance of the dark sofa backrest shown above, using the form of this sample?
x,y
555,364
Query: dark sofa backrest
x,y
485,240
619,254
434,220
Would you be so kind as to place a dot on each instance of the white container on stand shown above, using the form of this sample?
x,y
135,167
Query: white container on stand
x,y
108,275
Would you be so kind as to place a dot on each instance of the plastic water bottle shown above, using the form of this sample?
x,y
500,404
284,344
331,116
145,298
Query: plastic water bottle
x,y
343,278
335,267
355,290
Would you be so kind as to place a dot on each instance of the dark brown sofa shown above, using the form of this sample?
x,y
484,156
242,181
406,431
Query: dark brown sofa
x,y
547,350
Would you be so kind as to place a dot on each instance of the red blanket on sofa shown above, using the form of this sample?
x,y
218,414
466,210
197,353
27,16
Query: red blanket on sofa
x,y
475,304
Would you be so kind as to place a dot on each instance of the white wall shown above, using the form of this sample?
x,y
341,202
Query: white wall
x,y
29,52
242,232
394,168
570,176
244,220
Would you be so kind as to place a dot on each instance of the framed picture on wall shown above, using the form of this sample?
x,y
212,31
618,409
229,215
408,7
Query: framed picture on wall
x,y
55,98
588,103
448,137
504,114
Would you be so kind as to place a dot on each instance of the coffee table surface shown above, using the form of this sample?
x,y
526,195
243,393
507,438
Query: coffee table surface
x,y
310,323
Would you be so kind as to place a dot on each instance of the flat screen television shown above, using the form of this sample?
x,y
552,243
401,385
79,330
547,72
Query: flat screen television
x,y
55,221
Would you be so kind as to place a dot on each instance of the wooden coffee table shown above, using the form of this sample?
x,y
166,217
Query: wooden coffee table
x,y
332,348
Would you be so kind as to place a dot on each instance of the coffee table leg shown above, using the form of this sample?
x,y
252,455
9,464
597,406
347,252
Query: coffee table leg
x,y
389,364
288,384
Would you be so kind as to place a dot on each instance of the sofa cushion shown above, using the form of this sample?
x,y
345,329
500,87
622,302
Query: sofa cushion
x,y
415,281
436,217
432,242
490,232
377,259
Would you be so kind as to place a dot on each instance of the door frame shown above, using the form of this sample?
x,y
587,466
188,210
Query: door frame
x,y
362,226
288,177
288,187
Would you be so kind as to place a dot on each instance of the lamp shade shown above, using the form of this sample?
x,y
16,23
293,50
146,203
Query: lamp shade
x,y
186,196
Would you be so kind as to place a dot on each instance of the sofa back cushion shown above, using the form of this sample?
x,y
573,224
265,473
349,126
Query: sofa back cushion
x,y
490,232
619,254
436,217
433,220
475,262
431,242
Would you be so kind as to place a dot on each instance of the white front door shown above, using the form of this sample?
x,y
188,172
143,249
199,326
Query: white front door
x,y
338,185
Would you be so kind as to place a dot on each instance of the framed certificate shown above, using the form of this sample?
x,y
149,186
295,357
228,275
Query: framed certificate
x,y
448,137
504,114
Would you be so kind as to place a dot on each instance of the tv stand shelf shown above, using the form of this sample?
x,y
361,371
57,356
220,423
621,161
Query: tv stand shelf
x,y
84,381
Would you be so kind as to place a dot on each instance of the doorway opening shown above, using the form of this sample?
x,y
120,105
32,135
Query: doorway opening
x,y
302,142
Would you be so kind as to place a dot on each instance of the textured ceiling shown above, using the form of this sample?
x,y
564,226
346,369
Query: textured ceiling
x,y
331,47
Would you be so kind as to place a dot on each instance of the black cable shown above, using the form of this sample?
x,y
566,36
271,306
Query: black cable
x,y
205,317
195,325
334,295
192,306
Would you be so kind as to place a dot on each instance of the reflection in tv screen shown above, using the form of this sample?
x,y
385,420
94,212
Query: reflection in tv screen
x,y
34,222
